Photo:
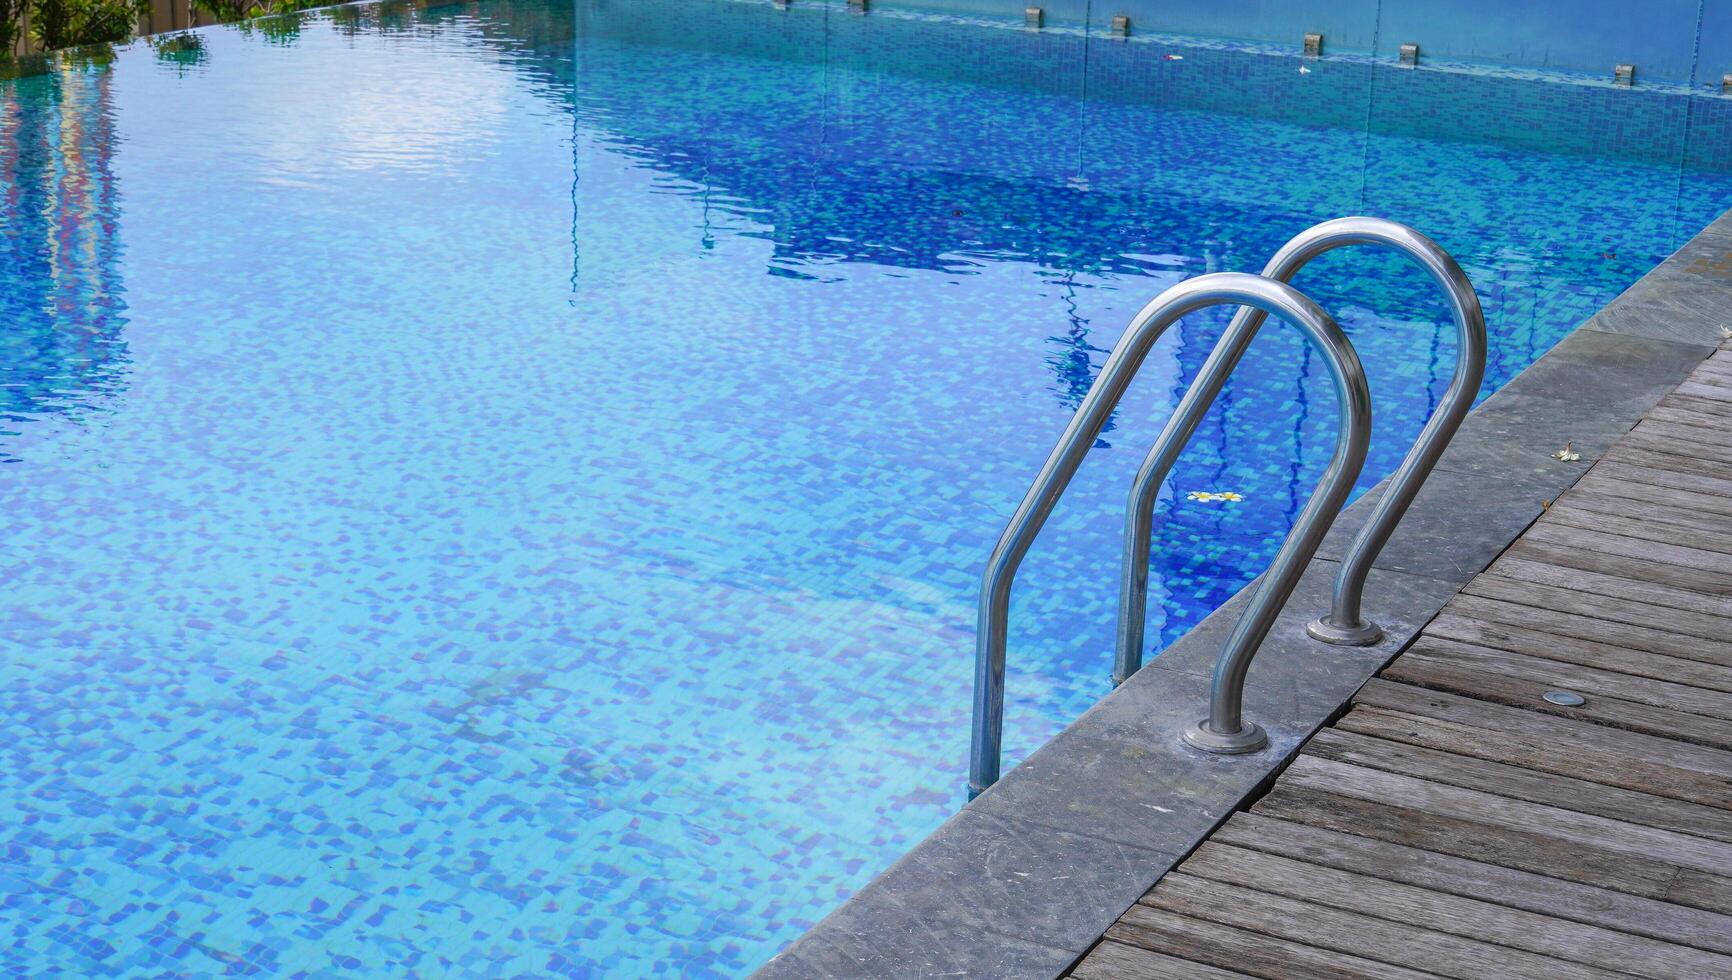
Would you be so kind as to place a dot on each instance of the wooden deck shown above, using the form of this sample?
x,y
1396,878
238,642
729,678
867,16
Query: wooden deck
x,y
1452,822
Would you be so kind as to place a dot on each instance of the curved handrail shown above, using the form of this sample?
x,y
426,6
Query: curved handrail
x,y
1344,623
1354,398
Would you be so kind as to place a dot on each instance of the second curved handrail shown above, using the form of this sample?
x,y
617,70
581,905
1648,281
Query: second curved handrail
x,y
1354,398
1344,624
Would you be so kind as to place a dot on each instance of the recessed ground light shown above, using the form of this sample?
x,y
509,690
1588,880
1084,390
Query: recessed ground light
x,y
1565,699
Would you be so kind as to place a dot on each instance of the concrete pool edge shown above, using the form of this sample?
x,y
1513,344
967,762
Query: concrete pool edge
x,y
1022,881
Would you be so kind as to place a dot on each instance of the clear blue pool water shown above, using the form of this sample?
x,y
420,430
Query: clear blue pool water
x,y
499,489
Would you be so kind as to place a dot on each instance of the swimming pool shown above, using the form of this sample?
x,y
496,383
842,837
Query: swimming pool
x,y
500,488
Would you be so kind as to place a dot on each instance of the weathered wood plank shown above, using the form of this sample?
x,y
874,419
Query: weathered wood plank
x,y
1354,934
1583,679
1456,915
1540,854
1709,384
1541,572
1476,879
1713,379
1713,376
1637,842
1557,645
1216,945
1705,389
1715,567
1710,407
1517,783
1640,528
1116,961
1634,626
1455,674
1565,726
1573,555
1679,416
1579,501
1663,480
1679,440
1616,479
1691,402
1669,467
1700,412
1672,457
1713,364
1570,731
1701,891
1714,387
1562,753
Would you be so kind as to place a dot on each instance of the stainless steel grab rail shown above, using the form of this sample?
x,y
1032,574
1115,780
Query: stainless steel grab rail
x,y
1353,397
1344,624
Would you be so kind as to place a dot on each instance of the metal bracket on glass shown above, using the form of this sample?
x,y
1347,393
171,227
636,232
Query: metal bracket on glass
x,y
1225,729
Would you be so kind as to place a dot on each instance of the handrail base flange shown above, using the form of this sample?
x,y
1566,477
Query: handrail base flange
x,y
1327,630
1250,738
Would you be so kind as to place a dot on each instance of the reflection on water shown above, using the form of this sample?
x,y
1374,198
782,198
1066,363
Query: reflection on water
x,y
1075,361
61,305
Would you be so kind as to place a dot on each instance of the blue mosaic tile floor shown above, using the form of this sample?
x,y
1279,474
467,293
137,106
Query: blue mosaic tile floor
x,y
498,489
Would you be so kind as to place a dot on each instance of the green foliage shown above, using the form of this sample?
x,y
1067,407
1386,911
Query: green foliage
x,y
182,49
11,19
58,24
375,18
233,11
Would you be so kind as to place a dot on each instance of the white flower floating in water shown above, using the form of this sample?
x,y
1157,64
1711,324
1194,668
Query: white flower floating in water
x,y
1304,70
1210,497
1172,57
1726,333
1568,454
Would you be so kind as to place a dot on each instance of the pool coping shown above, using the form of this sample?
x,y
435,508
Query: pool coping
x,y
1022,881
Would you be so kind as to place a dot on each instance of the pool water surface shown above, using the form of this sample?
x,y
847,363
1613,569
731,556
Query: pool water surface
x,y
499,489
